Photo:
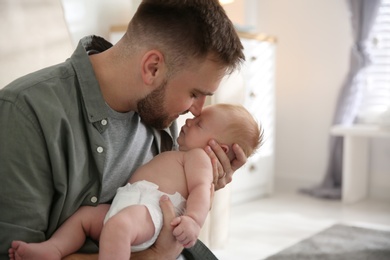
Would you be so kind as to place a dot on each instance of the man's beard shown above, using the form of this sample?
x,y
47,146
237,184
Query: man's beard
x,y
151,108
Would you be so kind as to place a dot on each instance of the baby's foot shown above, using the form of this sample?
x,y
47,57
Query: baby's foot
x,y
23,251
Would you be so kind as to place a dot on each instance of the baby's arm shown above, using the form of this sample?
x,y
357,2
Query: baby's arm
x,y
199,174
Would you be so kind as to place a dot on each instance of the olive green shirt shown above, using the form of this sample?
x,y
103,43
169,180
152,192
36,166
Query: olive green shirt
x,y
52,152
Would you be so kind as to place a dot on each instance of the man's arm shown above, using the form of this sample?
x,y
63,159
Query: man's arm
x,y
26,186
81,257
166,246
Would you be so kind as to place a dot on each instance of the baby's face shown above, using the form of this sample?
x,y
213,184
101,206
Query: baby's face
x,y
198,131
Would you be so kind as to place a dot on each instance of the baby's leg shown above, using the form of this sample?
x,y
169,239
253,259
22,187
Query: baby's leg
x,y
132,225
86,221
44,251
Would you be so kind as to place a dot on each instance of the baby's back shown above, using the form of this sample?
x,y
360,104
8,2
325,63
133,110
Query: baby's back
x,y
167,171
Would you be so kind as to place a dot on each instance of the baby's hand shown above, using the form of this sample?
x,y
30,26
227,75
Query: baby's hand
x,y
185,230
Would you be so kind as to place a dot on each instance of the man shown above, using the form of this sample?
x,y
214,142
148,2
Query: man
x,y
69,133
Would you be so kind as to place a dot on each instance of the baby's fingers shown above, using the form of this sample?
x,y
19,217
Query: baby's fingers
x,y
176,221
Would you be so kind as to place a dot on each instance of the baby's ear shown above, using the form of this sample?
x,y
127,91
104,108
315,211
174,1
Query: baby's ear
x,y
225,148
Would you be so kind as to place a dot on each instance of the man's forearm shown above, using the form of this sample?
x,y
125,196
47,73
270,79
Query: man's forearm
x,y
147,254
81,257
150,254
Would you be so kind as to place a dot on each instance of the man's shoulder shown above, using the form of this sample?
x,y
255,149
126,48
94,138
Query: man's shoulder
x,y
41,96
37,82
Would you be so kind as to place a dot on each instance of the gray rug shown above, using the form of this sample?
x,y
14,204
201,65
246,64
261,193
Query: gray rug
x,y
340,242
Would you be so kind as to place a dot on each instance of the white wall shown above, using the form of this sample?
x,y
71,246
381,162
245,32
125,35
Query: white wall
x,y
314,37
312,58
33,36
85,17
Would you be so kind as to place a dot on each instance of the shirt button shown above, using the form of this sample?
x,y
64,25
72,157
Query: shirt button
x,y
103,122
93,199
99,149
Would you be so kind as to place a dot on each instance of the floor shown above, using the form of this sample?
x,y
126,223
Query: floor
x,y
263,227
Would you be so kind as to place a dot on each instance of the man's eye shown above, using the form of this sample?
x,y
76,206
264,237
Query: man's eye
x,y
193,95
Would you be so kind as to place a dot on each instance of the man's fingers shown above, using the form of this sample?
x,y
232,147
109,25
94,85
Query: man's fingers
x,y
167,210
222,157
240,159
212,190
223,168
166,243
215,163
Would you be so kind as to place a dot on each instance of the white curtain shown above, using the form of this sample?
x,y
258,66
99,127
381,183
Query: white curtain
x,y
363,13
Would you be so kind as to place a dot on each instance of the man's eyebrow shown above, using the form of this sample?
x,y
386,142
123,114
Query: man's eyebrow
x,y
204,93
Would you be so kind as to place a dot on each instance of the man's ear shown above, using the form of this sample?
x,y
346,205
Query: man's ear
x,y
152,66
225,148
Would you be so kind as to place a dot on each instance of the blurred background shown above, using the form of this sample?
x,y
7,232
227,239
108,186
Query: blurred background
x,y
302,48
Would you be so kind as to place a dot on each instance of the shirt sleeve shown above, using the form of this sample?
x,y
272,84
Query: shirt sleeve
x,y
26,186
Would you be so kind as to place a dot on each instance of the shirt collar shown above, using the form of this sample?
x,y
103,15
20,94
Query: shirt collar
x,y
90,89
92,96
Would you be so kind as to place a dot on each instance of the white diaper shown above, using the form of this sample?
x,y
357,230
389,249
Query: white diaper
x,y
145,193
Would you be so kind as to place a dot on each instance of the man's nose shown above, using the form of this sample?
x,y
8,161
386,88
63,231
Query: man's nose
x,y
197,106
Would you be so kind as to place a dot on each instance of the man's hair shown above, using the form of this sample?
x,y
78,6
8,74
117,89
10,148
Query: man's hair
x,y
186,29
243,128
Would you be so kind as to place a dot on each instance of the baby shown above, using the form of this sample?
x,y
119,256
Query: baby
x,y
134,219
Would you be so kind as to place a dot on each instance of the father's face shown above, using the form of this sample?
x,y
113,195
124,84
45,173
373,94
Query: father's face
x,y
186,91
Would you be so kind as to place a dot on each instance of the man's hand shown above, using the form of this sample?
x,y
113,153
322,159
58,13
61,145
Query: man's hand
x,y
223,169
166,246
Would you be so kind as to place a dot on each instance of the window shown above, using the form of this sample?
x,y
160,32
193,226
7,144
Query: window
x,y
375,107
